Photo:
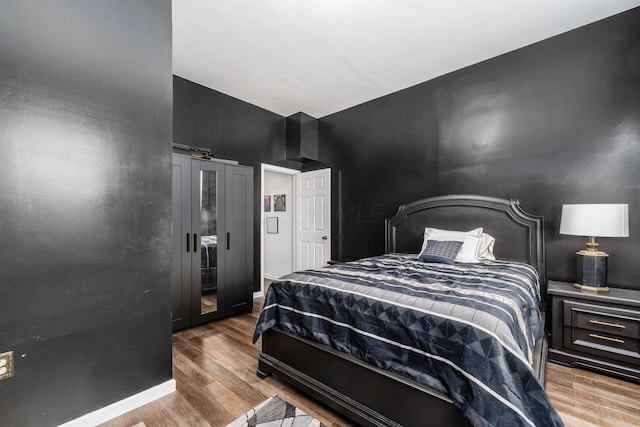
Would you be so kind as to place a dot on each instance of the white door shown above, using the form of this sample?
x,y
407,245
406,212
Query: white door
x,y
313,233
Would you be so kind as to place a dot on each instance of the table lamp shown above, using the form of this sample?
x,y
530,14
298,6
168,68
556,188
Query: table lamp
x,y
594,220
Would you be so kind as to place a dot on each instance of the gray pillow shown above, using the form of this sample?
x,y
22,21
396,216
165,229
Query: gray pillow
x,y
443,252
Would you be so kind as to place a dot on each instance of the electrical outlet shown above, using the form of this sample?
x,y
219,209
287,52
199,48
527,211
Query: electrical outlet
x,y
6,365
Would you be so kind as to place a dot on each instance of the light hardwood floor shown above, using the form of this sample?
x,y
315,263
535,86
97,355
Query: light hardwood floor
x,y
214,367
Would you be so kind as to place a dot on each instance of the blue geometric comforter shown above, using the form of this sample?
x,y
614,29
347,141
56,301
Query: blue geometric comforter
x,y
466,330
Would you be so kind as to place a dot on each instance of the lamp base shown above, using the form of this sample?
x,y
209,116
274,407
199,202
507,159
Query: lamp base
x,y
594,289
592,269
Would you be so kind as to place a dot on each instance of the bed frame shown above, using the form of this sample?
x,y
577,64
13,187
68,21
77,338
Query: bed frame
x,y
369,395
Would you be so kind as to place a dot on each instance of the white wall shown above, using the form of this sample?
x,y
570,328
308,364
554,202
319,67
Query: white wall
x,y
278,248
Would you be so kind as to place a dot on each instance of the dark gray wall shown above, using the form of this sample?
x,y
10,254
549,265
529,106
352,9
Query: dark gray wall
x,y
232,129
85,179
555,122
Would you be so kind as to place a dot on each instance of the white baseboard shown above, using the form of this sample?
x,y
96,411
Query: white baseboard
x,y
123,406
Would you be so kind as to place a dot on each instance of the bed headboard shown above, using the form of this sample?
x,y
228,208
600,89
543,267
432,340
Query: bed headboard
x,y
519,235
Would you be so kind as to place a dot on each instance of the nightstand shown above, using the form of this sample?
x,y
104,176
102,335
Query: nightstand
x,y
596,331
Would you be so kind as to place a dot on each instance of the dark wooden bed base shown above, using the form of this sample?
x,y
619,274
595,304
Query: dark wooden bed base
x,y
374,397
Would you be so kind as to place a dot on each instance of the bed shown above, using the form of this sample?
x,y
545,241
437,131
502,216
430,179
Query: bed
x,y
346,364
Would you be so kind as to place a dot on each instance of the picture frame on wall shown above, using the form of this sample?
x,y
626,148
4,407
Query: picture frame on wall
x,y
279,203
266,207
272,225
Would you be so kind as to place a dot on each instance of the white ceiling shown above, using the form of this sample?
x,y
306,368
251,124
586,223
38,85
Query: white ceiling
x,y
323,56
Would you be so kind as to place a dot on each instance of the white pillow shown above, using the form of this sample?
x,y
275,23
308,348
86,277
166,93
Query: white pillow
x,y
475,232
470,241
485,250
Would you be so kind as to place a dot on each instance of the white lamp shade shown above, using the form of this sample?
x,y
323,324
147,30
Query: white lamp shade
x,y
598,220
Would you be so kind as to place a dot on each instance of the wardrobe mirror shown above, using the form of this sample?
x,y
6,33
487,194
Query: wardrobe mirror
x,y
208,242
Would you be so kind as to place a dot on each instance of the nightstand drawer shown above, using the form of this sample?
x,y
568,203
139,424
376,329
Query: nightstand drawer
x,y
606,332
604,345
607,320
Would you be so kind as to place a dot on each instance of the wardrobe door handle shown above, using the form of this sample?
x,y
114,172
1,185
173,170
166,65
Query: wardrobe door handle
x,y
187,242
195,242
228,241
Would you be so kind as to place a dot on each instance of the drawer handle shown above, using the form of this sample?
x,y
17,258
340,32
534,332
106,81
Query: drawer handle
x,y
613,325
606,338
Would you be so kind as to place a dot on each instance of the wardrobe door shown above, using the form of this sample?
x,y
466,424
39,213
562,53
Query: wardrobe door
x,y
181,271
239,239
208,231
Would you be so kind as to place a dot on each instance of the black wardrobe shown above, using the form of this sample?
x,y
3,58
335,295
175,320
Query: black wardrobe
x,y
212,240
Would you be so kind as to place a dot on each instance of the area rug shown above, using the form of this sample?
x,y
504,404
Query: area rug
x,y
275,412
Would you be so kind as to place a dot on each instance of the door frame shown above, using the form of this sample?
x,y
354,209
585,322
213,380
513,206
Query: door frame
x,y
293,205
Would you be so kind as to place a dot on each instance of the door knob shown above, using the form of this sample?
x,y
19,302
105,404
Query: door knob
x,y
324,237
